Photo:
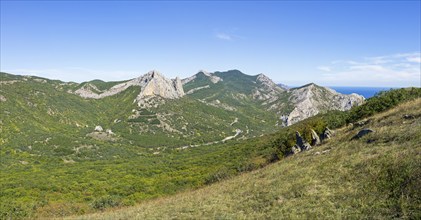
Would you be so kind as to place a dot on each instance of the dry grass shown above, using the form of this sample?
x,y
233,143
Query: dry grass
x,y
376,177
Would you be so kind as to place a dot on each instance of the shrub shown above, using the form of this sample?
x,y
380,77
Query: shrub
x,y
106,202
381,102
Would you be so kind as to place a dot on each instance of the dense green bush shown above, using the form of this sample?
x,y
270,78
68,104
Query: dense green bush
x,y
106,202
381,102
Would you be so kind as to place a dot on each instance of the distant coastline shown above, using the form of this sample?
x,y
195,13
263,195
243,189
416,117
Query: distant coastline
x,y
367,92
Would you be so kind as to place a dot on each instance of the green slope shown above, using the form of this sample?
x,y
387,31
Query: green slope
x,y
376,177
38,106
52,163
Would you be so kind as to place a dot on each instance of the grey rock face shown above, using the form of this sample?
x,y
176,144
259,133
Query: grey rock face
x,y
213,78
268,91
191,91
109,132
295,149
283,86
99,128
311,99
267,82
152,84
301,143
362,133
327,134
178,86
315,140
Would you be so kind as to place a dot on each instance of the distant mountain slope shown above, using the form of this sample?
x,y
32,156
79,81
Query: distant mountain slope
x,y
311,99
151,114
375,177
291,105
152,110
62,154
151,84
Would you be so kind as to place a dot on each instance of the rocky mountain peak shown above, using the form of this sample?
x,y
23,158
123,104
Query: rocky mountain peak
x,y
154,74
262,78
152,83
155,84
312,99
212,77
267,82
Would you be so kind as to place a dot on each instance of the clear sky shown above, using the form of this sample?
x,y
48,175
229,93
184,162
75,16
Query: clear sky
x,y
340,43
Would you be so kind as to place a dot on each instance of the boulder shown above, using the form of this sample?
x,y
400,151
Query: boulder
x,y
327,134
362,133
301,143
329,131
295,149
315,140
98,128
109,132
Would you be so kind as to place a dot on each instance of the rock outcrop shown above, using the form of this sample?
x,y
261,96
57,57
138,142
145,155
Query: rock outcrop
x,y
98,128
268,91
315,140
327,134
152,84
109,132
295,149
155,84
311,99
191,91
301,144
268,83
212,77
292,105
283,86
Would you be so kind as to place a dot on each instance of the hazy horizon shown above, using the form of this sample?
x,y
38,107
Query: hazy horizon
x,y
361,44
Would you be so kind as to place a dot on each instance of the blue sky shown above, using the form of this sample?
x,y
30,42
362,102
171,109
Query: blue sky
x,y
338,43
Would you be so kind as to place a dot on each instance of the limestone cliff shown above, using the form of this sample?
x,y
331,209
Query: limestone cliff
x,y
311,99
224,89
152,84
155,84
267,90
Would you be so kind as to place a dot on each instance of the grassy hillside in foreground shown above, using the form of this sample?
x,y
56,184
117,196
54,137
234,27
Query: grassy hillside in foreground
x,y
375,177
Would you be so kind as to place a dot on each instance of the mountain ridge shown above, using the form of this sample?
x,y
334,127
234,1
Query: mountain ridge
x,y
53,139
204,86
152,83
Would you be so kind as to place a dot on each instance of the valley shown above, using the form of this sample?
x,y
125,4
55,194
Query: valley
x,y
377,176
66,151
210,110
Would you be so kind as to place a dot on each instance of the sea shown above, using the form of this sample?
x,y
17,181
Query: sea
x,y
367,92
